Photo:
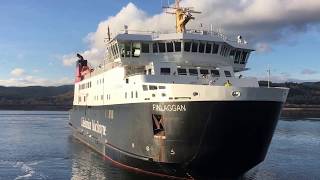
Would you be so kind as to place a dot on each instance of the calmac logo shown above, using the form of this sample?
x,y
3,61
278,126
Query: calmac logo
x,y
236,93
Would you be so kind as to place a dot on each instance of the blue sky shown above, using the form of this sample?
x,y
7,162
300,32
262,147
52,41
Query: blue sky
x,y
35,35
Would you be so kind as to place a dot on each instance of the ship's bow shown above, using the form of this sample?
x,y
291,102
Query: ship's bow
x,y
226,138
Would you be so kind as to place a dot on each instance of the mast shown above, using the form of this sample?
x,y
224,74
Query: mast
x,y
183,16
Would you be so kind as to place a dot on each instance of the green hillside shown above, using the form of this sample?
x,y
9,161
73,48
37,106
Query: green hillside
x,y
61,97
36,98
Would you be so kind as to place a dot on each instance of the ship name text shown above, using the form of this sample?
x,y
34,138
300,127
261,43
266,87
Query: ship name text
x,y
169,108
94,126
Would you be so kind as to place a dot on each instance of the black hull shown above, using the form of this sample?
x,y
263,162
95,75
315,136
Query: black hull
x,y
219,139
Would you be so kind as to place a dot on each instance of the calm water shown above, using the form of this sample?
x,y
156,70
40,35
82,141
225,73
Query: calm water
x,y
38,145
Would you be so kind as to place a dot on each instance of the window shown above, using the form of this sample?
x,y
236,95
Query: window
x,y
187,46
232,53
131,94
243,57
149,71
193,72
204,71
162,87
165,71
177,46
125,95
194,47
237,57
155,47
208,47
112,51
125,49
169,46
136,49
153,88
227,73
215,49
110,114
227,51
145,48
162,47
145,87
215,73
136,94
127,81
224,51
117,49
182,71
201,48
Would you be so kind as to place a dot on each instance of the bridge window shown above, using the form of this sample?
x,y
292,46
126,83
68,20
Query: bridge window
x,y
155,48
145,48
208,47
195,47
125,49
169,46
187,46
165,71
201,47
227,73
243,57
162,87
177,46
215,48
204,71
136,49
237,57
117,50
193,72
215,73
224,50
182,71
232,53
162,47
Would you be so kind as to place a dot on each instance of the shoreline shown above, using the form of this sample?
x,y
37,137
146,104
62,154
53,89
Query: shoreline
x,y
287,112
300,112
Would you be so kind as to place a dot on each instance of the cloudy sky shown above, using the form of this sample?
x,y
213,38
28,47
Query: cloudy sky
x,y
38,39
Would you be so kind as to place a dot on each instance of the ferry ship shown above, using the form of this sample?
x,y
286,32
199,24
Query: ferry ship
x,y
174,104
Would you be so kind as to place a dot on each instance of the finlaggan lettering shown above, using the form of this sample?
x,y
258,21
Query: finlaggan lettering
x,y
169,108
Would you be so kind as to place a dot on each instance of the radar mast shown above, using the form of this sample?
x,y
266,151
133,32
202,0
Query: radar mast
x,y
183,15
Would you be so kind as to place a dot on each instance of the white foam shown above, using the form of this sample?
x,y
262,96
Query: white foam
x,y
29,171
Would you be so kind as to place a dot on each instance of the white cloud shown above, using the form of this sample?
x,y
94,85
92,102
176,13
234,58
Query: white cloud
x,y
94,57
263,47
308,72
21,78
17,72
259,21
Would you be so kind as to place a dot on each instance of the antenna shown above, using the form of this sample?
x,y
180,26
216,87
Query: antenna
x,y
269,74
183,15
109,36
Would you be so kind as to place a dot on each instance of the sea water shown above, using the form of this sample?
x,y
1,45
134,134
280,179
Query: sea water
x,y
39,145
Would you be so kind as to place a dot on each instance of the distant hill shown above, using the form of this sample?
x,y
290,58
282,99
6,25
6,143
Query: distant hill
x,y
61,97
301,94
36,98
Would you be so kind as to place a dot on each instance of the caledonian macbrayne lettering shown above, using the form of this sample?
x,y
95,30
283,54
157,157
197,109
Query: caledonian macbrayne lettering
x,y
93,125
169,107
